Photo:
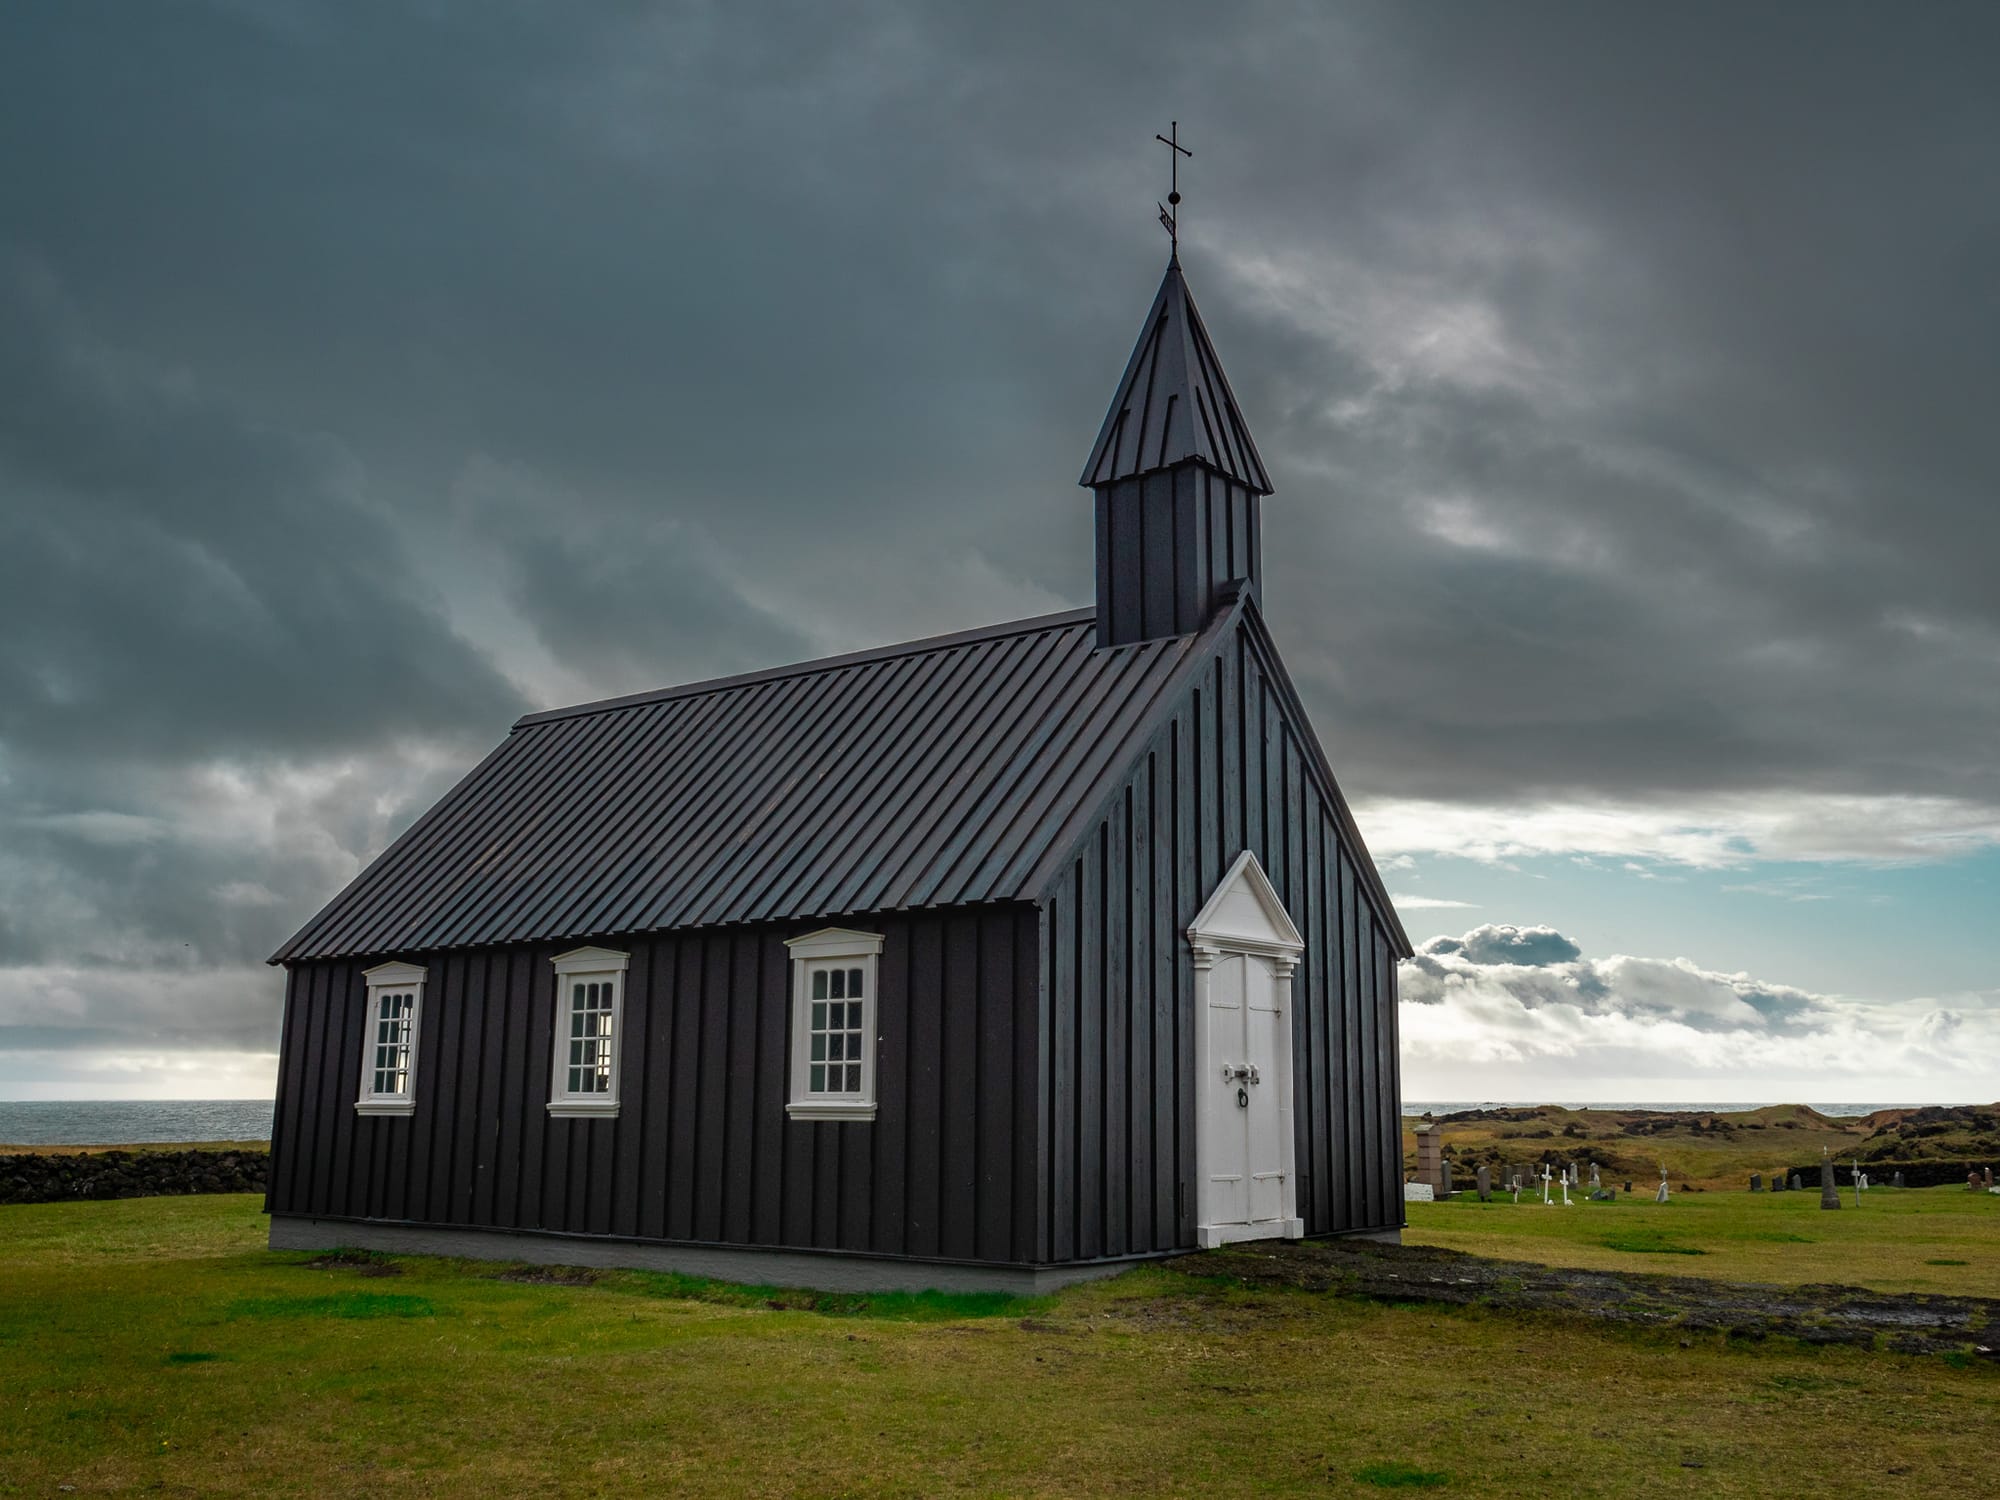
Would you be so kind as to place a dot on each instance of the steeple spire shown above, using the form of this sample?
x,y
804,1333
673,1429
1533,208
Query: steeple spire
x,y
1178,479
1174,403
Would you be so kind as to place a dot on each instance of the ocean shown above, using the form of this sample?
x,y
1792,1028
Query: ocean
x,y
131,1122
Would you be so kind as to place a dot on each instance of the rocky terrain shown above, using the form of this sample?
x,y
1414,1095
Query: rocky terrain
x,y
50,1177
1909,1323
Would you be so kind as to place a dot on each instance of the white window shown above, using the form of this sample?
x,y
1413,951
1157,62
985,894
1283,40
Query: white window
x,y
833,1025
389,1040
590,1004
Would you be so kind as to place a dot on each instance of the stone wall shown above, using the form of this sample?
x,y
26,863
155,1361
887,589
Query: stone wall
x,y
129,1174
1916,1174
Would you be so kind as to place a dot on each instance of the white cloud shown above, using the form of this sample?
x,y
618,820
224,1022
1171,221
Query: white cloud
x,y
1430,903
1718,833
1521,1013
166,1073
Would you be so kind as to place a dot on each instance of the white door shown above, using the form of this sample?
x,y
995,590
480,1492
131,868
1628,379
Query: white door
x,y
1246,1109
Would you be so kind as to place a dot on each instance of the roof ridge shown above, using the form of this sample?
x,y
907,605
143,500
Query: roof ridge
x,y
945,642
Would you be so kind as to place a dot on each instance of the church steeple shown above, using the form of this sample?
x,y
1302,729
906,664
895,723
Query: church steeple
x,y
1177,478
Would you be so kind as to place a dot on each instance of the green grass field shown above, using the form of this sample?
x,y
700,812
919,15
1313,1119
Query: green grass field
x,y
154,1345
1915,1240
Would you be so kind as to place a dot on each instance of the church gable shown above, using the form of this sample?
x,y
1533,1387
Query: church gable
x,y
1229,765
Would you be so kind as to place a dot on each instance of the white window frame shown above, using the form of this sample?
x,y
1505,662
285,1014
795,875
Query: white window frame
x,y
834,947
586,966
390,979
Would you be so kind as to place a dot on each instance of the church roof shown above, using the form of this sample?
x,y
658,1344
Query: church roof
x,y
1174,403
934,773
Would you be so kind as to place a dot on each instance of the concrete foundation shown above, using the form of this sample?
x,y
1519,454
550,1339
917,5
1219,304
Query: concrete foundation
x,y
823,1271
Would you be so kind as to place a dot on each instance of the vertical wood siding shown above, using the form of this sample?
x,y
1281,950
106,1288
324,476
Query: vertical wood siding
x,y
1228,771
701,1149
1166,542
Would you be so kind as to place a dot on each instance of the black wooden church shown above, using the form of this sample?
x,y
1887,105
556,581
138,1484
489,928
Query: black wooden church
x,y
995,959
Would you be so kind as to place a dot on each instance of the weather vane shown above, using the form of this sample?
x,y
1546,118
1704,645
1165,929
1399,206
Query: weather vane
x,y
1170,211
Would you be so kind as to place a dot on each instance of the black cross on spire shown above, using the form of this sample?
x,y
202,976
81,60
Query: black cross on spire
x,y
1170,211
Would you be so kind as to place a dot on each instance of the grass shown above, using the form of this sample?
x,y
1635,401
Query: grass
x,y
141,1147
153,1344
1914,1240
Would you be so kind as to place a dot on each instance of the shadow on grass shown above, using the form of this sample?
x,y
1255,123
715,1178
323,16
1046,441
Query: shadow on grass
x,y
900,1307
1647,1242
1400,1477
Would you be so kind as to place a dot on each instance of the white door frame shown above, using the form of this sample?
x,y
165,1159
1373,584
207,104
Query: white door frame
x,y
1259,927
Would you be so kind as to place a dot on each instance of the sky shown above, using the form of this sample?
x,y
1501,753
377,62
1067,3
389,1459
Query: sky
x,y
370,375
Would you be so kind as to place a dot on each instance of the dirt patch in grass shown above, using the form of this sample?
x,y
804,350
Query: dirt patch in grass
x,y
1908,1322
549,1275
360,1262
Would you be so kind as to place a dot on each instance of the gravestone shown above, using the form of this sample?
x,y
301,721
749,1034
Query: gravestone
x,y
1777,1182
1444,1179
1485,1180
1756,1182
1628,1187
1798,1184
1547,1178
1897,1180
1603,1195
1972,1180
1430,1154
1417,1192
1829,1195
1595,1183
1989,1179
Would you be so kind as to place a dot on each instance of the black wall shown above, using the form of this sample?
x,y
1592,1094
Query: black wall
x,y
702,1149
1228,771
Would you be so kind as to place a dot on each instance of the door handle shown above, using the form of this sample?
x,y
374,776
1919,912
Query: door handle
x,y
1246,1072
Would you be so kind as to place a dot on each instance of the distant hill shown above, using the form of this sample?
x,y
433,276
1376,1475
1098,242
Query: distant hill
x,y
1710,1148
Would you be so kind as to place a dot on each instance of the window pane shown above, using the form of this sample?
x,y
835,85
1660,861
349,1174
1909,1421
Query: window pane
x,y
819,1046
854,1078
854,1016
840,984
819,1016
853,983
834,1044
818,1082
819,984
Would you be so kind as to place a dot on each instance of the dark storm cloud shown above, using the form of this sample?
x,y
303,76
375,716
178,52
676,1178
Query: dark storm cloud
x,y
1501,943
1625,376
178,581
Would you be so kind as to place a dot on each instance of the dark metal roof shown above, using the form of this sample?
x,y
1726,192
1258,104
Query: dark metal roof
x,y
933,773
1174,403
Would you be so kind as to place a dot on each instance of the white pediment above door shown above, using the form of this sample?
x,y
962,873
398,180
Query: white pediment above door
x,y
1244,914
